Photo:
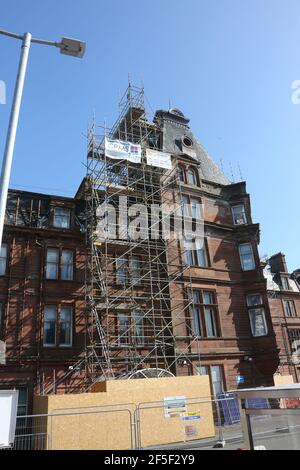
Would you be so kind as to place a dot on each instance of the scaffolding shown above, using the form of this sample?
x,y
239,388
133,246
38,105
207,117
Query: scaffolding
x,y
138,292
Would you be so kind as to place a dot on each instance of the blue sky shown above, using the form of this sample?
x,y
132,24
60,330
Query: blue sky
x,y
228,64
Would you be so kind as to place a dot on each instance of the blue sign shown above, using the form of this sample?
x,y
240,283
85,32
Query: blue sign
x,y
240,379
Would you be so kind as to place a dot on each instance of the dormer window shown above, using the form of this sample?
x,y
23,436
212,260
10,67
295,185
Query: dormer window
x,y
192,177
239,215
62,217
285,283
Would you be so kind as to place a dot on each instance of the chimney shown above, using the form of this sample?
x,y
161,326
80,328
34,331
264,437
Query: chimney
x,y
278,264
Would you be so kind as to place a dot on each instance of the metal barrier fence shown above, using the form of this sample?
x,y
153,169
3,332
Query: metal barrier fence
x,y
204,422
211,428
69,430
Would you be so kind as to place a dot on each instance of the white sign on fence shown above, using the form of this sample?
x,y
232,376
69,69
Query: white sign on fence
x,y
8,416
159,159
174,406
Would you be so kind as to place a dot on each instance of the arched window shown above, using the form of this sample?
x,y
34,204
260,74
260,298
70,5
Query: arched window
x,y
181,174
192,177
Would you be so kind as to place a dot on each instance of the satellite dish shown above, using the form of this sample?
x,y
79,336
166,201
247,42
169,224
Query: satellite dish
x,y
150,373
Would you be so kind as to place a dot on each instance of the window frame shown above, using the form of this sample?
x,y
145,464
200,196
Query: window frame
x,y
244,214
288,302
257,307
50,345
208,371
132,330
125,263
5,258
58,310
181,172
2,311
138,269
241,258
292,338
63,250
199,307
186,203
55,208
195,256
22,405
286,279
60,251
71,309
126,331
193,170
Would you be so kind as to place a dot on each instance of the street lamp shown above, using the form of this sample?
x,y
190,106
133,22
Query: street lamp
x,y
67,46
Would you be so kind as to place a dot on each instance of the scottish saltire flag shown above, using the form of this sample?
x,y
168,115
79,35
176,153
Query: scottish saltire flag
x,y
121,150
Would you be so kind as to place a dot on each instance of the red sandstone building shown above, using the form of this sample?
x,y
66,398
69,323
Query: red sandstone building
x,y
284,300
75,310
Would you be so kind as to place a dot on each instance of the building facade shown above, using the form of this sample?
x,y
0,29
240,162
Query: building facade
x,y
41,291
284,300
76,309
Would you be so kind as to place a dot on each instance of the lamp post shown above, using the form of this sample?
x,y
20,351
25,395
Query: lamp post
x,y
67,46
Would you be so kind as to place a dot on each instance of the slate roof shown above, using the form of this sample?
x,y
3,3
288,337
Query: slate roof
x,y
175,126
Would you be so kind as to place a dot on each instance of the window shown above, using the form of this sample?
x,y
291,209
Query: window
x,y
187,141
135,270
52,263
1,319
204,313
289,308
239,215
128,270
215,376
246,256
285,283
62,217
58,326
59,264
131,328
181,175
195,208
22,402
50,325
137,323
195,253
257,315
190,207
121,270
67,265
3,259
294,338
184,202
123,328
192,177
65,326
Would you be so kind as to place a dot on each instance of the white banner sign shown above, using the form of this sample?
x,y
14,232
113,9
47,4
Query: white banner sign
x,y
159,159
121,150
